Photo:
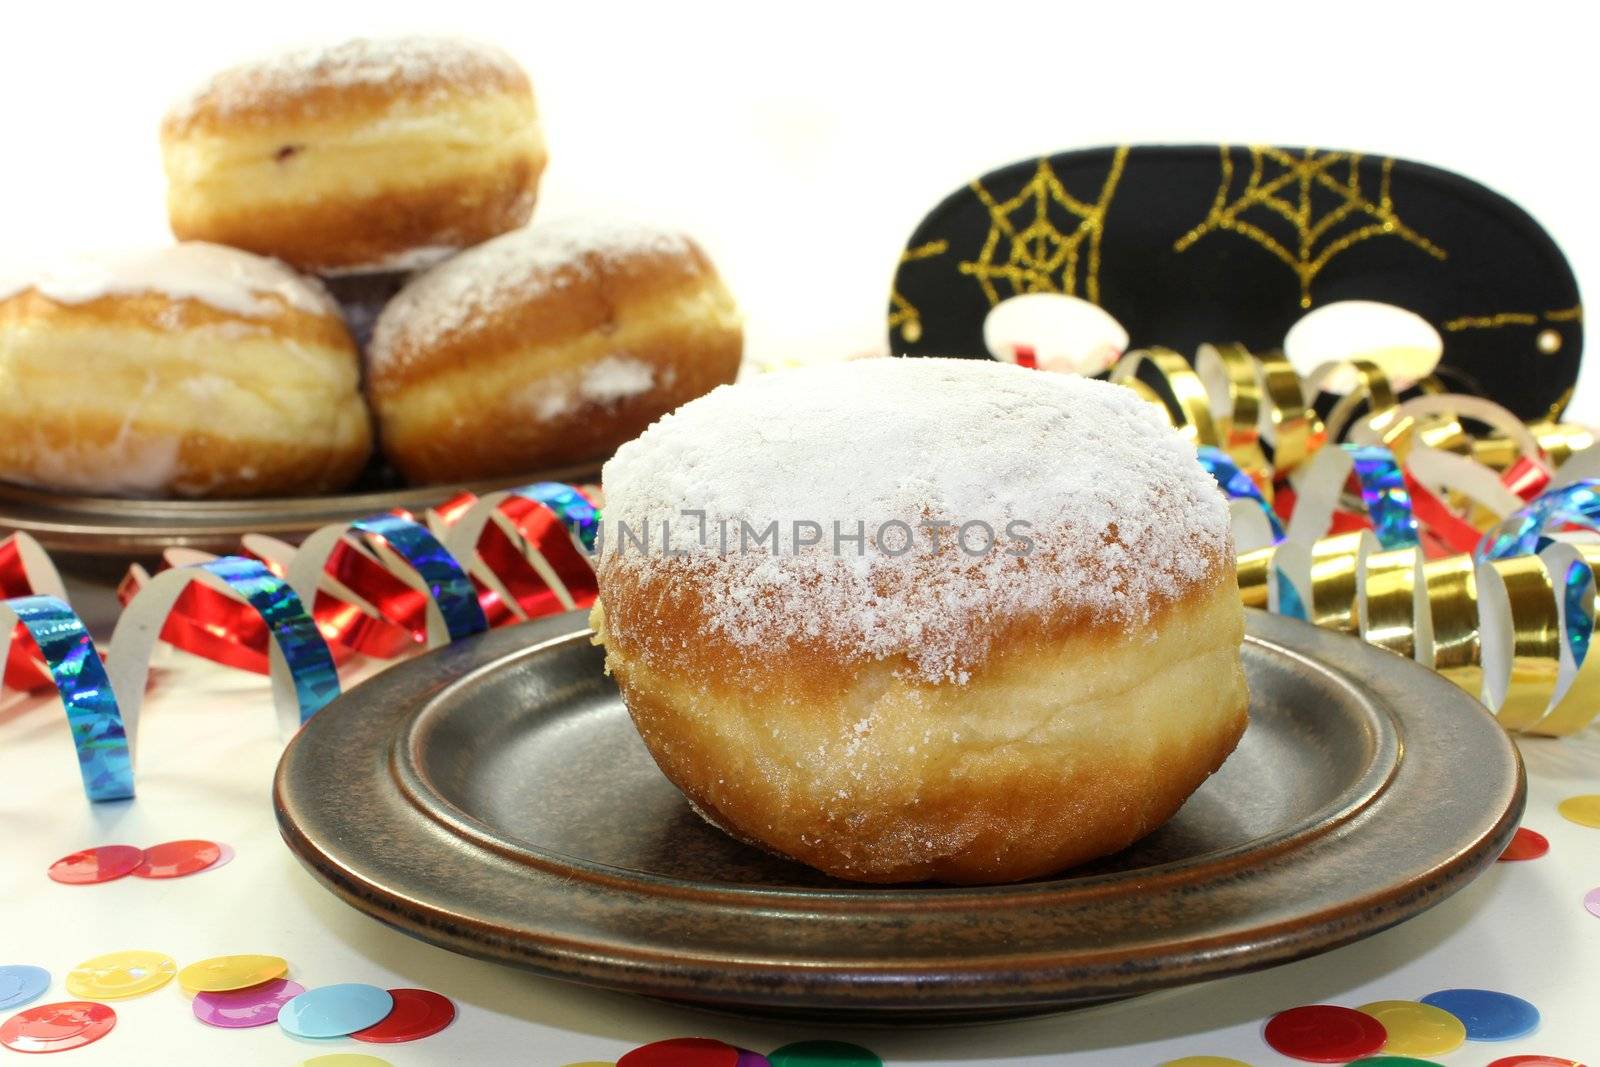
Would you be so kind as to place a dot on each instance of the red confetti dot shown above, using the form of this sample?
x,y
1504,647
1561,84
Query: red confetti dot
x,y
417,1013
1325,1033
96,865
58,1027
1525,845
174,859
682,1052
1534,1061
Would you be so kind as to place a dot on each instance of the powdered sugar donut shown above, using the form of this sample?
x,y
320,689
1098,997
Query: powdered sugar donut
x,y
550,345
194,370
369,155
923,619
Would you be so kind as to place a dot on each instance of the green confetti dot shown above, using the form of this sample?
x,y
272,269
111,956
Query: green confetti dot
x,y
823,1054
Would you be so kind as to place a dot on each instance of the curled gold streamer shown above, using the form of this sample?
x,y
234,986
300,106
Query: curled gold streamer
x,y
1504,646
1255,576
1187,390
1232,382
1333,582
1508,646
1523,628
1372,388
1450,587
1386,586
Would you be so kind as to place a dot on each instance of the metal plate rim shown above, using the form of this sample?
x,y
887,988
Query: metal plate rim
x,y
102,527
1035,980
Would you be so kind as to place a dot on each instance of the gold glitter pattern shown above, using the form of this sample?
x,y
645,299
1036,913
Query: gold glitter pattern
x,y
1285,187
903,315
1513,318
1044,239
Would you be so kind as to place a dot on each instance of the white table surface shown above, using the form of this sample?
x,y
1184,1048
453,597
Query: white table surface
x,y
208,746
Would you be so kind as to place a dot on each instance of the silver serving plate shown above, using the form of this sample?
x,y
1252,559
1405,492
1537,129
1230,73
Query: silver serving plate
x,y
493,798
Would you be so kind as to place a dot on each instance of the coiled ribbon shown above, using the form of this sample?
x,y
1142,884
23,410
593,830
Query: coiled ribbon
x,y
377,588
1388,519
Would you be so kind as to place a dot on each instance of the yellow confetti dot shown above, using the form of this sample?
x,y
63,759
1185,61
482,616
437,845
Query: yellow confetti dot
x,y
1416,1029
222,973
117,975
1205,1061
1583,810
345,1059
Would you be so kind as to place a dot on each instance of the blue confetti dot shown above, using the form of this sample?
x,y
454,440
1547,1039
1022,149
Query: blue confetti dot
x,y
20,983
335,1010
1487,1015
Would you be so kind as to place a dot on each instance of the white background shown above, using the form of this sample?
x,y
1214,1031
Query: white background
x,y
803,142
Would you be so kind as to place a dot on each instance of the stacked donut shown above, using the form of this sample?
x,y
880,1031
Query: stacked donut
x,y
354,252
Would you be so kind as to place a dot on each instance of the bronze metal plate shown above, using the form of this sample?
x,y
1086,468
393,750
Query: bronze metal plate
x,y
492,797
87,528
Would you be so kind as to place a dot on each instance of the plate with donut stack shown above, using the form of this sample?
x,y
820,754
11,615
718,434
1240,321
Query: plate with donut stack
x,y
360,314
916,690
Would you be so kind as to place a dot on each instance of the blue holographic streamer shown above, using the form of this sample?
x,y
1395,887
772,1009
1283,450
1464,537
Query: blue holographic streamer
x,y
316,680
452,591
104,758
1578,593
1518,534
1289,603
574,510
1383,491
1236,484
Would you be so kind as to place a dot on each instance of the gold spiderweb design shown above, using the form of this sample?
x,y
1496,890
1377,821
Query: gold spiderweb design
x,y
1305,209
903,314
1044,239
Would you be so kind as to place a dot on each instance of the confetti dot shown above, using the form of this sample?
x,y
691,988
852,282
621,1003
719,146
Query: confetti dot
x,y
1584,810
222,973
225,855
1526,844
1417,1029
239,1008
335,1010
417,1013
1591,902
57,1027
345,1059
1394,1061
1534,1061
1487,1015
20,983
175,859
94,865
1324,1033
1205,1061
682,1052
118,975
823,1054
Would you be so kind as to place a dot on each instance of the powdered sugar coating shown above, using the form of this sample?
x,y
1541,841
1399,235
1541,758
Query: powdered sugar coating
x,y
225,278
465,291
1121,516
444,62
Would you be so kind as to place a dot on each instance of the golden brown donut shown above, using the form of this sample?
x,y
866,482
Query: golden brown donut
x,y
547,346
195,370
370,155
978,710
